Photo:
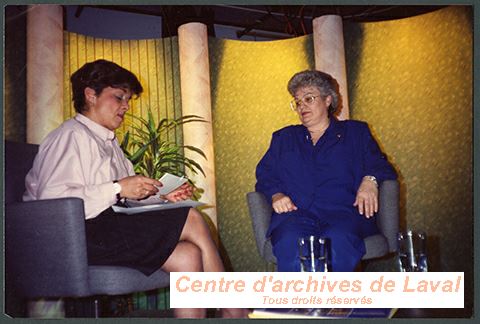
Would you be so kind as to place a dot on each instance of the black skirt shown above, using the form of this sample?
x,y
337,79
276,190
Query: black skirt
x,y
141,241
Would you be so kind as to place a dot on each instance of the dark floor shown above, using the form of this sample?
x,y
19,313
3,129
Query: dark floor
x,y
401,313
124,309
163,313
434,313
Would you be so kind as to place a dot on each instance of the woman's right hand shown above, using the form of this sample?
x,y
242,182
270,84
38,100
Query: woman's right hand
x,y
138,187
183,192
282,203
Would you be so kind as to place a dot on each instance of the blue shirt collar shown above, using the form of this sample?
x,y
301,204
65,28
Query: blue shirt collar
x,y
334,131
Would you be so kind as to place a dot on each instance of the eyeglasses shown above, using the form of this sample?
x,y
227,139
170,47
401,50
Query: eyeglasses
x,y
308,100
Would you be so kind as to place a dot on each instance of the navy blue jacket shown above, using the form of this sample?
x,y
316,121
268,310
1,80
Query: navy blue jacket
x,y
324,177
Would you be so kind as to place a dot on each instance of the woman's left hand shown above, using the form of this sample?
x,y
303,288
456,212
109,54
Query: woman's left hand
x,y
367,198
183,192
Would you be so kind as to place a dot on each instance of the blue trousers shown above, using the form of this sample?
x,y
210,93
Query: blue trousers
x,y
345,233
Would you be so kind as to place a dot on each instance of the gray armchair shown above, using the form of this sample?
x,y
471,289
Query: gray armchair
x,y
376,245
45,245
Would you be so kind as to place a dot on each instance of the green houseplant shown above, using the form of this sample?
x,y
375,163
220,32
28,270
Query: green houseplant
x,y
153,155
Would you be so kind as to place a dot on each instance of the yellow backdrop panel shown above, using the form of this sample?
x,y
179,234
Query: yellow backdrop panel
x,y
249,102
411,79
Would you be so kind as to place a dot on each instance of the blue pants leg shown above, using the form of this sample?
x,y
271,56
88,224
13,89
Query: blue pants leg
x,y
347,247
285,242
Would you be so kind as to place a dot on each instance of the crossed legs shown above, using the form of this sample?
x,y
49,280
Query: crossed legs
x,y
196,251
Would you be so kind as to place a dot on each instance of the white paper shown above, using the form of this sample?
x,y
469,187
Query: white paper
x,y
162,206
170,182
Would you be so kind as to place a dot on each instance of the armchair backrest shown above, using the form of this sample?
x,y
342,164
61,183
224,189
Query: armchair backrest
x,y
45,247
18,161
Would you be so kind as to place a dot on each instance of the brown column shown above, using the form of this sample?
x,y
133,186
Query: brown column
x,y
330,54
44,70
196,100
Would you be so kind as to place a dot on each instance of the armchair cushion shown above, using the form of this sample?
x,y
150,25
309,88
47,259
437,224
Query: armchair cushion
x,y
376,246
112,280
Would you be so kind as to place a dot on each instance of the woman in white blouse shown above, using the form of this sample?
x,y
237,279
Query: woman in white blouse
x,y
82,158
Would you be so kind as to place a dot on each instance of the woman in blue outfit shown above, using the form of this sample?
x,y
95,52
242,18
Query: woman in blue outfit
x,y
322,177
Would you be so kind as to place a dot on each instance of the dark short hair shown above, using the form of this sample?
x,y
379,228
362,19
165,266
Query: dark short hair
x,y
99,75
324,82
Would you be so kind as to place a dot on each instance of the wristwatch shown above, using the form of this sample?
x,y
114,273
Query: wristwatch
x,y
371,178
117,188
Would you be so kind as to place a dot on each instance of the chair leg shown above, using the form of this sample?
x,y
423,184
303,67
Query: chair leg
x,y
96,305
84,307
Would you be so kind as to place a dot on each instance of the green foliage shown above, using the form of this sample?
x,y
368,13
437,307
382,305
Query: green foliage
x,y
152,154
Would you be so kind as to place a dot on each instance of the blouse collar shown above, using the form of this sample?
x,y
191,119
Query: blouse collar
x,y
100,131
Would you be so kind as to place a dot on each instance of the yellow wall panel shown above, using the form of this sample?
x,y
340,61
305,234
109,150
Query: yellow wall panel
x,y
98,48
67,95
107,49
90,49
411,79
116,51
151,83
250,101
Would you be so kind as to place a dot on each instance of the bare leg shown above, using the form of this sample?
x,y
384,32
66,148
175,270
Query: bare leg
x,y
197,232
185,257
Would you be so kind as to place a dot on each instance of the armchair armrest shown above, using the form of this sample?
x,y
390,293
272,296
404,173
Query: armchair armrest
x,y
261,213
46,252
388,214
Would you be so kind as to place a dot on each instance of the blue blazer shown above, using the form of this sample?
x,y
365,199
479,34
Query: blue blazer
x,y
321,179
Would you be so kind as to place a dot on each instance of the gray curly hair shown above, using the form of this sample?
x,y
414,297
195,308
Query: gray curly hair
x,y
324,82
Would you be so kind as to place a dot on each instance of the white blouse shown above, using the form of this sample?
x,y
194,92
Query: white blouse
x,y
78,159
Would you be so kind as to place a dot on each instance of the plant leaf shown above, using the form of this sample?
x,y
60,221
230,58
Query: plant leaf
x,y
195,149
